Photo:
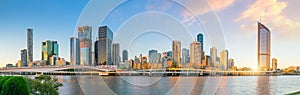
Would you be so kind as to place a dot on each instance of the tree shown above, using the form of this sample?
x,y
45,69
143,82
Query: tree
x,y
16,85
44,85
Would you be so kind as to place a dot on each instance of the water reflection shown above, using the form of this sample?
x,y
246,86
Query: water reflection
x,y
263,85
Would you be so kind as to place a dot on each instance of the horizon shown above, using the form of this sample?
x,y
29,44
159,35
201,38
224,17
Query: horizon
x,y
238,28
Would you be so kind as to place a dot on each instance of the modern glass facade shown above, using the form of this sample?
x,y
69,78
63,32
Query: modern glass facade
x,y
85,37
200,39
264,47
49,48
153,56
105,36
24,58
75,51
125,55
224,59
185,56
213,55
96,53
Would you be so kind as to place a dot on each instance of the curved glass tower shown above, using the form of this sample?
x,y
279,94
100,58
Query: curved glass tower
x,y
264,47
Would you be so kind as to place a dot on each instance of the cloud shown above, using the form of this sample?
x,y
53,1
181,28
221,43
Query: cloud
x,y
201,7
271,13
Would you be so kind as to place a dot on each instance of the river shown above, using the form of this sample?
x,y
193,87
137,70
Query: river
x,y
181,85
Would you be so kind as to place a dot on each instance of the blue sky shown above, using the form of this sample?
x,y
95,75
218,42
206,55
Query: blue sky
x,y
58,19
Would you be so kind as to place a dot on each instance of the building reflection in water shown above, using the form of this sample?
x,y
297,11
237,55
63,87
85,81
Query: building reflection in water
x,y
263,85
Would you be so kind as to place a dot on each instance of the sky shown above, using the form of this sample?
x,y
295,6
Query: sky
x,y
141,25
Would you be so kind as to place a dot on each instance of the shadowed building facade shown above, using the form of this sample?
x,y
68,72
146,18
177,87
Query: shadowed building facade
x,y
264,47
105,38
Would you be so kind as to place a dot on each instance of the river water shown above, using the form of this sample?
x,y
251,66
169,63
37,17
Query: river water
x,y
181,85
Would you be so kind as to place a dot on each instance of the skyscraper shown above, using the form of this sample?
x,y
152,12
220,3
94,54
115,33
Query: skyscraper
x,y
213,55
29,45
231,63
196,52
75,51
49,48
200,39
153,56
105,36
24,58
264,47
125,55
185,56
176,48
55,48
274,64
116,53
85,37
96,52
224,59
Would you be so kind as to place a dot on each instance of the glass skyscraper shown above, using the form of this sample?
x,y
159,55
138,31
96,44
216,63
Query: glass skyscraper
x,y
24,58
75,51
49,48
96,53
29,45
116,53
125,55
105,38
200,39
85,38
264,47
185,56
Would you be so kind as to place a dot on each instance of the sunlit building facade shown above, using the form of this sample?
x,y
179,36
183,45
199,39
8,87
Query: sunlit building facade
x,y
105,38
176,49
274,64
213,55
224,59
264,47
85,37
195,49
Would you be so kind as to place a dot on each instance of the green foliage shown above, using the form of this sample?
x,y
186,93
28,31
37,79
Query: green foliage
x,y
16,85
44,85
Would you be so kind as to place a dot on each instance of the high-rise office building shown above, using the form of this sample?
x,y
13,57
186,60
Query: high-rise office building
x,y
49,48
231,63
213,55
264,47
195,49
96,52
55,48
274,64
29,45
75,51
185,56
116,53
24,58
153,56
85,37
105,36
169,54
124,55
176,48
200,39
224,59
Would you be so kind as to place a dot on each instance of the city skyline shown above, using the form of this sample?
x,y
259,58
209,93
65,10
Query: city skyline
x,y
234,47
